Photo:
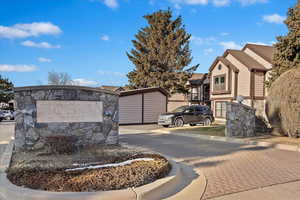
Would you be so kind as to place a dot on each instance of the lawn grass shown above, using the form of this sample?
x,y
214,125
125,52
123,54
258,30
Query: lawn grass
x,y
214,130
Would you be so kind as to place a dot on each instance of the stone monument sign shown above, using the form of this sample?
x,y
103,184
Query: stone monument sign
x,y
87,114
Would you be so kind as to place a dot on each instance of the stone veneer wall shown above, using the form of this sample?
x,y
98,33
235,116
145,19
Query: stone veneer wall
x,y
30,135
240,120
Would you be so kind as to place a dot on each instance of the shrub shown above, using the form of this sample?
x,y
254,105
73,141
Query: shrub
x,y
283,103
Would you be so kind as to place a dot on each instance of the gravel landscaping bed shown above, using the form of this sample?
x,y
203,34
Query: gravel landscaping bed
x,y
134,174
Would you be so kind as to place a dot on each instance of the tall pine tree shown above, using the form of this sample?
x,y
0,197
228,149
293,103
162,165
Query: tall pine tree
x,y
161,54
287,54
6,90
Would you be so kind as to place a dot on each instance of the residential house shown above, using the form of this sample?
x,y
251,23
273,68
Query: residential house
x,y
240,73
199,89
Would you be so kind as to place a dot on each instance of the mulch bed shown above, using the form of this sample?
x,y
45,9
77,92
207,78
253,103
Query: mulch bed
x,y
112,178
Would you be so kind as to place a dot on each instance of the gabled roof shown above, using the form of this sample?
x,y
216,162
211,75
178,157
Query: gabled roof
x,y
224,61
266,52
198,79
245,59
197,76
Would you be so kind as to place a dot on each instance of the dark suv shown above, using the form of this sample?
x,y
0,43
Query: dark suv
x,y
192,115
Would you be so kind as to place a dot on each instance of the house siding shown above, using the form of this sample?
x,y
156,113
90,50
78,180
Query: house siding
x,y
259,85
230,76
217,72
130,111
244,76
154,104
176,100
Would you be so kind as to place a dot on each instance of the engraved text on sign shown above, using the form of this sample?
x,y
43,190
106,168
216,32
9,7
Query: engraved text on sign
x,y
69,111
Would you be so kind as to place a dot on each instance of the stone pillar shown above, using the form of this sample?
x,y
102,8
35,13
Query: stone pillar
x,y
240,120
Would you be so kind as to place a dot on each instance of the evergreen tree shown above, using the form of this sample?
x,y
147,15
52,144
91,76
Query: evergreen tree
x,y
6,90
161,54
287,54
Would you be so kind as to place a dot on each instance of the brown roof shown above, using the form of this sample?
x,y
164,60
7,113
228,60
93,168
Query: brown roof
x,y
197,76
244,58
226,62
264,51
144,90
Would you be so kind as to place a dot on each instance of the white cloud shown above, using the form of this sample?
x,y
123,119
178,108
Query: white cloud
x,y
201,41
190,2
259,43
109,3
45,45
224,34
249,2
220,3
230,45
111,73
105,38
275,18
44,60
177,6
27,30
17,68
196,2
208,51
82,81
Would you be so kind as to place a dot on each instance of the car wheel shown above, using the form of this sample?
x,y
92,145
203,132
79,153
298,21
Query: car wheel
x,y
166,126
192,124
178,122
207,122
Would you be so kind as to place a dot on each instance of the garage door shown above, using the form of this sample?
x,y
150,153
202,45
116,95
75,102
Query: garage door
x,y
130,109
154,104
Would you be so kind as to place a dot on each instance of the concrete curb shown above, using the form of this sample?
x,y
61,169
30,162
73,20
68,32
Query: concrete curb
x,y
162,188
285,147
195,190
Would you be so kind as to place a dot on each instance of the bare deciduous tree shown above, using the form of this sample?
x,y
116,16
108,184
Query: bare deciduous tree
x,y
59,78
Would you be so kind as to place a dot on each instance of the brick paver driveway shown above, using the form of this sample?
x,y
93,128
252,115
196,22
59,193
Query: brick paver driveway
x,y
229,168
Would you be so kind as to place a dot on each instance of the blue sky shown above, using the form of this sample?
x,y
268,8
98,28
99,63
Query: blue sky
x,y
89,38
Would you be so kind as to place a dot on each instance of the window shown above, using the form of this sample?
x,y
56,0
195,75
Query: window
x,y
216,80
220,83
220,110
199,108
220,67
189,110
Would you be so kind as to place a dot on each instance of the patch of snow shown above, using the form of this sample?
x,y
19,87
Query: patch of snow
x,y
127,162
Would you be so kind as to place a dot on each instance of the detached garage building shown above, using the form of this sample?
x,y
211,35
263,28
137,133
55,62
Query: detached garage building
x,y
142,106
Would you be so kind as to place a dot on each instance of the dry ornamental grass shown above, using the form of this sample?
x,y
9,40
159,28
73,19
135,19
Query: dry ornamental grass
x,y
111,178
